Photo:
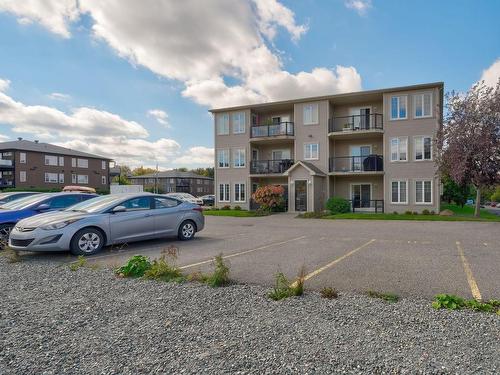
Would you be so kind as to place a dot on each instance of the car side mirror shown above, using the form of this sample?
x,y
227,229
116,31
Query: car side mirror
x,y
119,209
43,207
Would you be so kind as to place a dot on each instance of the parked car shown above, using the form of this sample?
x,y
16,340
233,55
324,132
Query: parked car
x,y
13,195
186,197
12,212
88,226
208,200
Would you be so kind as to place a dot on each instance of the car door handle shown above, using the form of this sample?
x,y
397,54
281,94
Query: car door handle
x,y
147,215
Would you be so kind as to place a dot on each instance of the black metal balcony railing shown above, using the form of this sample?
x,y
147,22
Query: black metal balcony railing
x,y
355,123
6,183
283,128
270,166
370,163
370,205
6,164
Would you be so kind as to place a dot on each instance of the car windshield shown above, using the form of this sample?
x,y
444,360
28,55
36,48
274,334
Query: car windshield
x,y
96,204
26,202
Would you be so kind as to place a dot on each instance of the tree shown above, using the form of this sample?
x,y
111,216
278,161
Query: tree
x,y
208,172
269,197
121,180
182,169
468,140
140,171
455,192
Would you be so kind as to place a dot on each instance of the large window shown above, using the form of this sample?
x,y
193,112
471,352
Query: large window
x,y
238,122
423,148
310,114
223,158
222,122
423,191
103,164
224,193
83,179
51,160
22,157
137,204
398,107
239,158
239,192
399,192
311,151
399,149
422,104
82,163
52,178
22,176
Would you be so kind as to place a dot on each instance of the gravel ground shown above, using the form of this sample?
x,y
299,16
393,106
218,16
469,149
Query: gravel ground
x,y
55,321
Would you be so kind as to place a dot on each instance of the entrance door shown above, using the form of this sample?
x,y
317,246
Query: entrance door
x,y
361,195
301,195
361,118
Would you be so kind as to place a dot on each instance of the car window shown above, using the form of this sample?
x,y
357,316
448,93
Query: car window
x,y
137,204
63,201
165,202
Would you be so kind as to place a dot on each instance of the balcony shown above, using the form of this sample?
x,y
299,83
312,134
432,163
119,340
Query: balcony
x,y
367,205
6,164
355,125
282,129
270,166
6,183
371,164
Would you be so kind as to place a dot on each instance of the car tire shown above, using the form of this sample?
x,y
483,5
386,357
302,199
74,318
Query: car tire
x,y
4,235
186,230
87,241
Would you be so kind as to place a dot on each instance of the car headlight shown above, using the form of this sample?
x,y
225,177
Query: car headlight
x,y
58,225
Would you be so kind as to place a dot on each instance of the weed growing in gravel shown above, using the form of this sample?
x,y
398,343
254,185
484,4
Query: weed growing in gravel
x,y
284,289
389,297
328,292
81,262
452,302
220,276
162,270
11,255
136,266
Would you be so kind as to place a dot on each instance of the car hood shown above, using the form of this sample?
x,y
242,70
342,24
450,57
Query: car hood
x,y
11,216
53,217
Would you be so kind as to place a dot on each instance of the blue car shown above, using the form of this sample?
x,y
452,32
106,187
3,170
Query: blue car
x,y
12,212
14,195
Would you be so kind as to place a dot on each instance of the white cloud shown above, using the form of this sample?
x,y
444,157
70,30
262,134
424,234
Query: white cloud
x,y
491,75
160,116
196,155
55,15
360,6
4,85
3,138
59,96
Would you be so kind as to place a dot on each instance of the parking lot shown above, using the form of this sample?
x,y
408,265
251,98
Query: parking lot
x,y
403,257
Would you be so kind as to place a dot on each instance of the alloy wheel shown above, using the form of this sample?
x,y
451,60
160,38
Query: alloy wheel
x,y
188,230
89,242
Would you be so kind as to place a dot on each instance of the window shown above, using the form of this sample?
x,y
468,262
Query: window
x,y
103,180
423,105
223,158
423,191
63,201
398,107
239,122
83,179
239,192
61,178
310,114
73,178
222,121
22,157
61,161
311,151
82,163
73,162
137,204
239,158
423,148
22,176
224,193
399,149
165,202
51,160
172,180
399,193
103,164
52,178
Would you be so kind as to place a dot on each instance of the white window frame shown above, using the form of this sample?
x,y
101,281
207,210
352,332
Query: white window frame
x,y
398,150
103,180
422,95
103,164
85,180
22,157
237,153
314,108
51,178
227,191
226,163
399,107
399,191
423,180
82,163
61,178
222,123
51,160
239,122
73,178
306,145
73,162
237,197
22,176
61,161
422,137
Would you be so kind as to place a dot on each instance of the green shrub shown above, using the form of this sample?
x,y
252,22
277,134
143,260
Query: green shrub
x,y
408,213
426,212
415,213
389,297
226,207
328,292
163,271
136,266
220,276
237,208
432,212
284,289
338,205
396,213
452,302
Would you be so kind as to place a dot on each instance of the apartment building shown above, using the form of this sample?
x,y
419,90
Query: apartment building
x,y
175,182
375,148
34,165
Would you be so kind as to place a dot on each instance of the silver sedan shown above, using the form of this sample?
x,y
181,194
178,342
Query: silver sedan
x,y
88,226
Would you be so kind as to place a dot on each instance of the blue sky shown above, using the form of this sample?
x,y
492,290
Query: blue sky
x,y
179,59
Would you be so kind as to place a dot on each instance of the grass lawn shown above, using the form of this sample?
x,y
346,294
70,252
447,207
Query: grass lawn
x,y
461,214
232,213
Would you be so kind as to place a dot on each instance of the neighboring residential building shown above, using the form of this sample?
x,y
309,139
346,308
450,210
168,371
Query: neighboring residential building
x,y
35,165
375,148
175,181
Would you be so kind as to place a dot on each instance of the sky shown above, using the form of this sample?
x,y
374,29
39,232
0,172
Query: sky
x,y
133,80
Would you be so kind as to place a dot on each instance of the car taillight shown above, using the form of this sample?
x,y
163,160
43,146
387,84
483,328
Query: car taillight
x,y
199,209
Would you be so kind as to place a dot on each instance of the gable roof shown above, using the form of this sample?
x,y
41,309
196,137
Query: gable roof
x,y
25,145
313,170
